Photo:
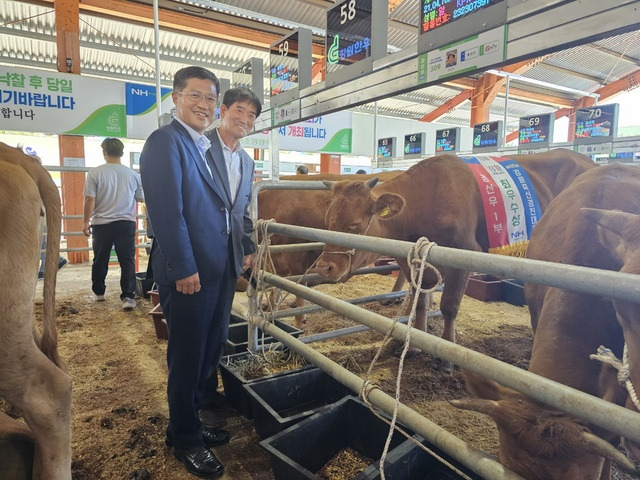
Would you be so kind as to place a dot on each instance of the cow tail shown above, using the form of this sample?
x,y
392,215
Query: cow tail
x,y
53,211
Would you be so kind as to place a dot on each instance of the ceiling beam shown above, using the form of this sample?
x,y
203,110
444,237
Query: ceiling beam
x,y
615,54
572,73
447,106
213,29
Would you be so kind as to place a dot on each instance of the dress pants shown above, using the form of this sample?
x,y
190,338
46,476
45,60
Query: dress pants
x,y
198,326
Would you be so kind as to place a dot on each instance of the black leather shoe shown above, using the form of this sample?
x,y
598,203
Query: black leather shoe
x,y
210,418
200,461
211,437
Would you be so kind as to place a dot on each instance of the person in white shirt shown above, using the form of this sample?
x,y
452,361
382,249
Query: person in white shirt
x,y
110,194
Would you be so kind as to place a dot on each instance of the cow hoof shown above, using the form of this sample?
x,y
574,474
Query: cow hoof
x,y
444,366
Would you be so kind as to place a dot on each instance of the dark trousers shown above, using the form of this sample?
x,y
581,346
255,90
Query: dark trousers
x,y
198,327
121,235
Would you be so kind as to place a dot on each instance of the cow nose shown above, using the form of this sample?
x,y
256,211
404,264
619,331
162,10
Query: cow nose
x,y
325,268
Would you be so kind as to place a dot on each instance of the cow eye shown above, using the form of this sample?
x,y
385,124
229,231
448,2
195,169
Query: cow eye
x,y
354,227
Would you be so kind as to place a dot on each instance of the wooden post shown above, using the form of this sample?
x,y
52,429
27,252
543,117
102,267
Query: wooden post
x,y
70,146
329,163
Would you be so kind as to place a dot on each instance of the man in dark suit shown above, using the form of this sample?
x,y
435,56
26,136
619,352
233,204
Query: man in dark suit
x,y
198,205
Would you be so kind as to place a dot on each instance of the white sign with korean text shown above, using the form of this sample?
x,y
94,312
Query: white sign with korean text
x,y
51,102
469,54
327,134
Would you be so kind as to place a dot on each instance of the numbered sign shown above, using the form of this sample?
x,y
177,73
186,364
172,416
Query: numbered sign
x,y
448,140
487,136
387,147
536,131
596,124
356,35
414,144
290,67
442,21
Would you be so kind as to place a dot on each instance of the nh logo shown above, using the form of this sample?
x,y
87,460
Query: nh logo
x,y
140,91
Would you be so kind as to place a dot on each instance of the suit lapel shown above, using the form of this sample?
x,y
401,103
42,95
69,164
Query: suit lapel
x,y
218,166
197,158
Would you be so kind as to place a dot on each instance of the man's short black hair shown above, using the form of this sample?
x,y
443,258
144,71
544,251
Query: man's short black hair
x,y
183,75
242,94
112,147
302,170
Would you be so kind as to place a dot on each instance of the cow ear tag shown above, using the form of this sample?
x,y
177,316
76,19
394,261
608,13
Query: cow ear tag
x,y
384,212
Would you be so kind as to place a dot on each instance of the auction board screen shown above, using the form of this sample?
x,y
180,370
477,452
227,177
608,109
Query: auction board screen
x,y
536,130
487,135
447,140
387,147
437,13
596,123
284,65
414,144
348,33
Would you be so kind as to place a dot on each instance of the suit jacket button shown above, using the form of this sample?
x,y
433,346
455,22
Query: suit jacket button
x,y
222,209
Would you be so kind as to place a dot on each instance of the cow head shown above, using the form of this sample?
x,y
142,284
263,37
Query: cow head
x,y
354,209
619,232
537,442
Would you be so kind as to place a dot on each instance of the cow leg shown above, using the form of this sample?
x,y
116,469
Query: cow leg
x,y
400,281
454,286
42,392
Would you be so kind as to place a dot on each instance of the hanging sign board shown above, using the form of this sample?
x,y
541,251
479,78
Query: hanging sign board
x,y
445,21
356,36
414,144
487,136
596,124
387,147
468,55
290,68
535,131
142,111
448,140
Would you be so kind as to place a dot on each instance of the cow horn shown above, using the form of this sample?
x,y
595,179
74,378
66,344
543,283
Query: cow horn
x,y
611,220
371,182
608,451
329,183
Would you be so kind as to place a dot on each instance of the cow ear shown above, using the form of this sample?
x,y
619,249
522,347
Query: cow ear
x,y
388,204
611,229
371,182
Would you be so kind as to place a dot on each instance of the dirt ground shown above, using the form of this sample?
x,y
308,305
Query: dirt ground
x,y
119,373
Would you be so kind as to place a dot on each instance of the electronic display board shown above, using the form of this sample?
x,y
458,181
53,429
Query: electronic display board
x,y
443,22
350,37
487,136
438,13
448,140
290,66
387,147
536,130
414,144
597,123
284,64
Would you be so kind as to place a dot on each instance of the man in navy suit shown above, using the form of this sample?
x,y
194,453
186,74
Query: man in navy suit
x,y
197,197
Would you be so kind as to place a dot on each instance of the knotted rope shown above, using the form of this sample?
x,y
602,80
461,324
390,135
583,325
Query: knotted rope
x,y
605,355
418,265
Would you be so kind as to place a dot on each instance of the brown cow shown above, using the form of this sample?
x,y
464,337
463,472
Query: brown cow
x,y
437,198
306,208
31,377
569,326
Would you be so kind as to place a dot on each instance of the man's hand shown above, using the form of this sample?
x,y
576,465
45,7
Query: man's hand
x,y
86,229
189,285
248,262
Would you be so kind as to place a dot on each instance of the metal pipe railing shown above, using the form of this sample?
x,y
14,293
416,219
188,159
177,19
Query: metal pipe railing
x,y
599,412
623,286
477,460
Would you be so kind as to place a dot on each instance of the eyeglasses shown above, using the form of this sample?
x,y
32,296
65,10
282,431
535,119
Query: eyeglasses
x,y
196,97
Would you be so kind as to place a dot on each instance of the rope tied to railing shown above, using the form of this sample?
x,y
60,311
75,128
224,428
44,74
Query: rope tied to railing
x,y
605,355
418,264
264,262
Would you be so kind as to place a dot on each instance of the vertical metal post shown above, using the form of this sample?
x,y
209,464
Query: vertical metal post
x,y
375,134
156,38
506,110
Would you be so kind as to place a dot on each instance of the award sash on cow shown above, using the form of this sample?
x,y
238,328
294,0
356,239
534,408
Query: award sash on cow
x,y
511,206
